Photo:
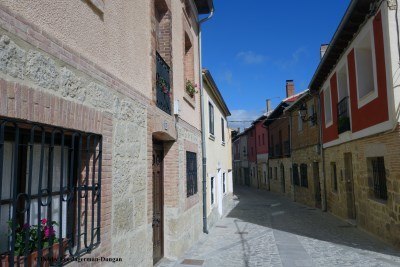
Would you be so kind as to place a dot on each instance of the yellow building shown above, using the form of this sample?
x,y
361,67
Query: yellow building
x,y
218,150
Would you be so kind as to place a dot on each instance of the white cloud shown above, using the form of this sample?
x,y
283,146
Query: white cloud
x,y
227,76
295,58
241,118
250,58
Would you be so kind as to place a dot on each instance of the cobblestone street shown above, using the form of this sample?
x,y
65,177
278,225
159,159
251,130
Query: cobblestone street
x,y
266,229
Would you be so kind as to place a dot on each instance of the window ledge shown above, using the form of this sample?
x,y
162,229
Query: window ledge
x,y
190,100
223,143
378,200
212,137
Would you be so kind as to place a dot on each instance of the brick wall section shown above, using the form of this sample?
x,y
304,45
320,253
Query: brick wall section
x,y
22,102
39,38
304,144
377,217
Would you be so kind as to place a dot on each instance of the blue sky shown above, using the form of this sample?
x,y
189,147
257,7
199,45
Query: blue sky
x,y
252,48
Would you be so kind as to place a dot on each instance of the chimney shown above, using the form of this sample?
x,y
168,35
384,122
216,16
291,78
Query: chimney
x,y
323,49
289,88
268,105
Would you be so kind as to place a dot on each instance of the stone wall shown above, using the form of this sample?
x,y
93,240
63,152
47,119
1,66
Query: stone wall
x,y
309,156
183,223
47,81
276,182
27,66
381,218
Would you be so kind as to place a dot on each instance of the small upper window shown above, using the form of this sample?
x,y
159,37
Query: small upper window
x,y
211,117
223,129
328,106
364,66
299,123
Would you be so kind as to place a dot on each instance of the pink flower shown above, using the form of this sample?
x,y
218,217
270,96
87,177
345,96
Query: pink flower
x,y
49,231
44,221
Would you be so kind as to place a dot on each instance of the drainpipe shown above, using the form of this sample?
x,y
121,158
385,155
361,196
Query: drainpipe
x,y
325,204
203,134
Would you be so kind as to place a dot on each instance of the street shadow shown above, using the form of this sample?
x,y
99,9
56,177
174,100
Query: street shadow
x,y
277,212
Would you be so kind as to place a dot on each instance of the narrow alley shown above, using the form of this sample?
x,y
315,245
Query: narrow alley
x,y
266,229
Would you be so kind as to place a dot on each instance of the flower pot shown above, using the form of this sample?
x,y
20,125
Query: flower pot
x,y
32,258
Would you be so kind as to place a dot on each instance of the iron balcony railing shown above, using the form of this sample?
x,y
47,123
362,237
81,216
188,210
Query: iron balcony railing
x,y
271,151
343,116
286,148
50,189
278,150
163,85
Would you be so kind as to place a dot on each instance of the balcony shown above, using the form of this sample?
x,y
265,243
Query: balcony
x,y
278,150
286,148
343,117
163,86
271,151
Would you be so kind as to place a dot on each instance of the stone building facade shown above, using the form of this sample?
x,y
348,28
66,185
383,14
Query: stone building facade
x,y
359,99
279,161
94,67
306,151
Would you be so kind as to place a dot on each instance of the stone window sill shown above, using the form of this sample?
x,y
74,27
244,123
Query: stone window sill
x,y
190,100
378,201
223,143
212,137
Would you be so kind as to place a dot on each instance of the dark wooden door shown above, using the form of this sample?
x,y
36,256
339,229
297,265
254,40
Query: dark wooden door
x,y
317,185
283,186
158,155
348,175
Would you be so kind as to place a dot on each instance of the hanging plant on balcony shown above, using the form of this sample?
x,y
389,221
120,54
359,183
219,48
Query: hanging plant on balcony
x,y
164,86
191,88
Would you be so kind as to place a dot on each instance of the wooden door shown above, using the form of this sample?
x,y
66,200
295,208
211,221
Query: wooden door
x,y
158,156
348,175
283,187
317,185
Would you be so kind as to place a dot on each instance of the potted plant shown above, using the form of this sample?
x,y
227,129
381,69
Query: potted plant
x,y
191,88
30,249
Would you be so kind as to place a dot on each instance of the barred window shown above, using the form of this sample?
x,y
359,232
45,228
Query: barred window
x,y
303,175
378,175
191,173
50,185
334,177
296,180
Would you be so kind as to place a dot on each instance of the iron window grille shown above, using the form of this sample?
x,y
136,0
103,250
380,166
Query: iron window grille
x,y
303,175
343,115
211,117
191,173
163,85
296,180
48,174
379,178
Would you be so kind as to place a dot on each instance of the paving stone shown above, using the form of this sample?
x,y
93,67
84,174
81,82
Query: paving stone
x,y
288,234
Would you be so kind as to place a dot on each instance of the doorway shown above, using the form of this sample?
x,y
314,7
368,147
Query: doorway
x,y
283,178
317,186
158,197
348,176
